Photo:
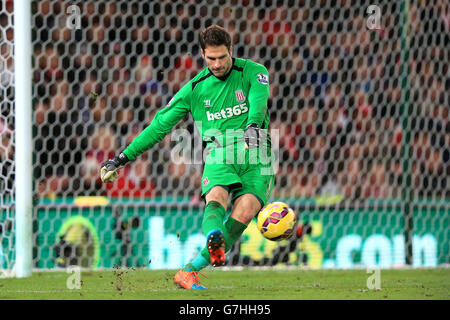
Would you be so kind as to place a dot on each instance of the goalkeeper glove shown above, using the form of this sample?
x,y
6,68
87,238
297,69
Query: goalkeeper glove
x,y
108,171
254,136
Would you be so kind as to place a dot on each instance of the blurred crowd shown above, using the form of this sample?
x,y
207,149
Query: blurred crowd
x,y
343,97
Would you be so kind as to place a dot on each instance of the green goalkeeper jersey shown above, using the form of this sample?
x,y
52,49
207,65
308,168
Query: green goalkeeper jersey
x,y
221,107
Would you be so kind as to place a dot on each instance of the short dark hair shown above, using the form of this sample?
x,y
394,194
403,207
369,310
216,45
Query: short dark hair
x,y
215,36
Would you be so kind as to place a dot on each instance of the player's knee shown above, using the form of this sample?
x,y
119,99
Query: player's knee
x,y
245,208
245,217
219,195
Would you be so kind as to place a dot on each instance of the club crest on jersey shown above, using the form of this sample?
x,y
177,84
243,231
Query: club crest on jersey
x,y
239,96
207,103
262,78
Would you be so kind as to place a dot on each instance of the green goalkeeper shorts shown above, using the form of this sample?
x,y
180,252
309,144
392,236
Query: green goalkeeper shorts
x,y
239,171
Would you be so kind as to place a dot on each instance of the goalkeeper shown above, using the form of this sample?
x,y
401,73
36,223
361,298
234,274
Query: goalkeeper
x,y
228,101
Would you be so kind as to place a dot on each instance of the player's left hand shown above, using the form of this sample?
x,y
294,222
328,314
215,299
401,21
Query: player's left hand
x,y
254,136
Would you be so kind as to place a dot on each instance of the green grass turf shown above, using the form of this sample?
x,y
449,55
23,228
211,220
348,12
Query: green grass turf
x,y
233,285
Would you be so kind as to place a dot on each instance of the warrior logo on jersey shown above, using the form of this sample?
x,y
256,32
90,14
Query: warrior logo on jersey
x,y
239,96
262,78
207,103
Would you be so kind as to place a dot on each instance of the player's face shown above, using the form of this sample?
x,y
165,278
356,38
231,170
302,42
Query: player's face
x,y
218,59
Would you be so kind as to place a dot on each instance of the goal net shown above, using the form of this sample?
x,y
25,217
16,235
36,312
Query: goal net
x,y
359,109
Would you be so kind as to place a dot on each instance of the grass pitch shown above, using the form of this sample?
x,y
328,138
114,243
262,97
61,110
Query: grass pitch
x,y
247,284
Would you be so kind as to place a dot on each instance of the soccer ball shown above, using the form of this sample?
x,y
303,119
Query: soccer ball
x,y
276,221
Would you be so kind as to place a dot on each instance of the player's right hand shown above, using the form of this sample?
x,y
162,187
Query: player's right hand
x,y
108,170
254,136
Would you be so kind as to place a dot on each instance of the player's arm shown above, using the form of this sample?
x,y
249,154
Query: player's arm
x,y
259,91
163,122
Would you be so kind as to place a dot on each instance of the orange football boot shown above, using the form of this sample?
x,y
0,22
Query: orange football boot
x,y
187,279
216,247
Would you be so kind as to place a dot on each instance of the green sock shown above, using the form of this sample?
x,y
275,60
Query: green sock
x,y
198,263
212,220
213,217
233,231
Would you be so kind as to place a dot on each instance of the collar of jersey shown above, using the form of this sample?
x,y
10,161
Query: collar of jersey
x,y
225,77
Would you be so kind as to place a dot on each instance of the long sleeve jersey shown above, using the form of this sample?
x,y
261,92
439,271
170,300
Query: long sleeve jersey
x,y
221,107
